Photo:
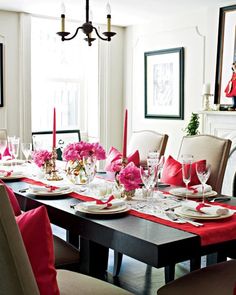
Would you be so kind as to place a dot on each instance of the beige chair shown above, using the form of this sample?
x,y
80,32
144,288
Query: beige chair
x,y
17,277
3,134
218,279
214,149
147,141
144,141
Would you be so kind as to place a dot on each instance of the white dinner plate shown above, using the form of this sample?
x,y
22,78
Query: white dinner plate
x,y
184,212
176,192
12,162
50,193
115,210
12,177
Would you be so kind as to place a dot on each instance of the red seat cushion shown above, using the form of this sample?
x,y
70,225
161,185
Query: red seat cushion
x,y
13,199
172,172
36,232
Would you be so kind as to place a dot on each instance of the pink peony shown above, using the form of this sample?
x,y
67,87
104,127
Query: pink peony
x,y
41,156
76,151
130,177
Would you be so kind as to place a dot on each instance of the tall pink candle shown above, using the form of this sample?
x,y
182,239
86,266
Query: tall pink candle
x,y
125,135
54,129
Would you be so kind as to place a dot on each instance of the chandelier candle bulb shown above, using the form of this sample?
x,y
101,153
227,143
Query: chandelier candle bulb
x,y
63,12
108,9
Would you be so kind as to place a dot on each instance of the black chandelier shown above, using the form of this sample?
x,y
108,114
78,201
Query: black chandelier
x,y
87,28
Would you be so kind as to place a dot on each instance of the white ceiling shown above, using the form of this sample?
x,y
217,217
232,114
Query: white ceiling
x,y
124,12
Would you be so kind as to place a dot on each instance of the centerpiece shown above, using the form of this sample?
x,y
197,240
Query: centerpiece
x,y
75,155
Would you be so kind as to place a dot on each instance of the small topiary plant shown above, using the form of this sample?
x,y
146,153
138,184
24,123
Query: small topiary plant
x,y
192,128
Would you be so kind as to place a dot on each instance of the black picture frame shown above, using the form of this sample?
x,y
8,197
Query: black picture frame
x,y
164,84
1,74
226,54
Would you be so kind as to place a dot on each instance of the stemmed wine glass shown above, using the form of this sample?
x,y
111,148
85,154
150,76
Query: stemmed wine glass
x,y
90,168
155,161
3,145
13,146
203,172
187,160
26,150
148,179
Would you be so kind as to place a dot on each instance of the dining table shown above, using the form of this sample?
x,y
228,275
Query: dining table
x,y
156,244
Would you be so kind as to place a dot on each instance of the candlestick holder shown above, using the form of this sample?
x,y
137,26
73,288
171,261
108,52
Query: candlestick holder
x,y
53,175
206,102
124,162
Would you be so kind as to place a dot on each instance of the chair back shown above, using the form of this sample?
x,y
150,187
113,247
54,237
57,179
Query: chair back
x,y
16,273
147,141
3,133
214,150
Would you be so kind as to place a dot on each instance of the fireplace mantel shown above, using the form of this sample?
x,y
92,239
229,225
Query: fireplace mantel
x,y
223,124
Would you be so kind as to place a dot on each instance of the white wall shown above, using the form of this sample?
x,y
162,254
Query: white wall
x,y
9,36
197,33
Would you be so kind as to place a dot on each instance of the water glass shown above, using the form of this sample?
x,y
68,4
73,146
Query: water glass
x,y
203,172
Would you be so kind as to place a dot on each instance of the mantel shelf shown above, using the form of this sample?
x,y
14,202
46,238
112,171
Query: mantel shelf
x,y
218,113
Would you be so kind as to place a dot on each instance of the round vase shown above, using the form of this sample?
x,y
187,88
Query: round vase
x,y
75,172
128,195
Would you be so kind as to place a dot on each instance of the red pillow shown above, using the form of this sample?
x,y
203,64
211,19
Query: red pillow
x,y
36,232
14,203
172,172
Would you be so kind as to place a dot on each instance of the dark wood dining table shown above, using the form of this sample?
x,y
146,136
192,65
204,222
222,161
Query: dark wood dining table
x,y
155,244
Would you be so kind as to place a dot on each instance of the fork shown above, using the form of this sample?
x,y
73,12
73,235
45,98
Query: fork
x,y
174,217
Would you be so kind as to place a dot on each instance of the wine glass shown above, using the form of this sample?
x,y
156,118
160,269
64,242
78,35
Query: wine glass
x,y
3,145
148,179
187,160
90,168
26,150
13,146
203,172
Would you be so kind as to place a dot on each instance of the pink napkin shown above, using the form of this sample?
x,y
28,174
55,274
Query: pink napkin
x,y
5,154
113,161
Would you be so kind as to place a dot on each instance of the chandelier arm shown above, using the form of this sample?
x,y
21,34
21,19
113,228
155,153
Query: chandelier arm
x,y
104,39
72,37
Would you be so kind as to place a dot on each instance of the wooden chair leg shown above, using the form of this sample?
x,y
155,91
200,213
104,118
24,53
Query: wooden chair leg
x,y
117,263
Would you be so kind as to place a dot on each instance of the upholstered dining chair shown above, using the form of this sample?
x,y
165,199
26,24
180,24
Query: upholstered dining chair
x,y
147,141
216,151
218,279
211,148
17,276
144,141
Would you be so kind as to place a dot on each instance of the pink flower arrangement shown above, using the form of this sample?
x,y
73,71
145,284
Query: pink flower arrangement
x,y
130,177
76,151
40,157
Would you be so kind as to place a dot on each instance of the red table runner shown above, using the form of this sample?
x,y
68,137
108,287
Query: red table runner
x,y
213,232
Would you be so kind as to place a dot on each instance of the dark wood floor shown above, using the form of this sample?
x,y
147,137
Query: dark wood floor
x,y
136,276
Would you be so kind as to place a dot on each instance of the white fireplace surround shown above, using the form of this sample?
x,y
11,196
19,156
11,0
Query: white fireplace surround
x,y
223,124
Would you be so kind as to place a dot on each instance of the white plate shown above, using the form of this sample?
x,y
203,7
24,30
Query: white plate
x,y
116,210
12,162
184,212
176,192
12,177
49,193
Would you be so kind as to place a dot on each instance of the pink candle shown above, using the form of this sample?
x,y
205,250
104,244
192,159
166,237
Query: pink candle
x,y
125,135
54,129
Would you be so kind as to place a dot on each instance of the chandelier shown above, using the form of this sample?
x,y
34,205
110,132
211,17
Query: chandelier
x,y
87,28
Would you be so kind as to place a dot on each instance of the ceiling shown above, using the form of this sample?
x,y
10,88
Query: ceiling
x,y
124,12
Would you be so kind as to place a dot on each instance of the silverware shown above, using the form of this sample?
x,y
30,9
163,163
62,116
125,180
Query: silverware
x,y
174,217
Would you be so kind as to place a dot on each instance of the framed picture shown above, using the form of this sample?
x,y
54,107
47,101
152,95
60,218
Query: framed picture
x,y
1,75
164,83
226,56
43,140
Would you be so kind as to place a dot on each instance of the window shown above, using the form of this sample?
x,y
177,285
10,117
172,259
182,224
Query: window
x,y
60,75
